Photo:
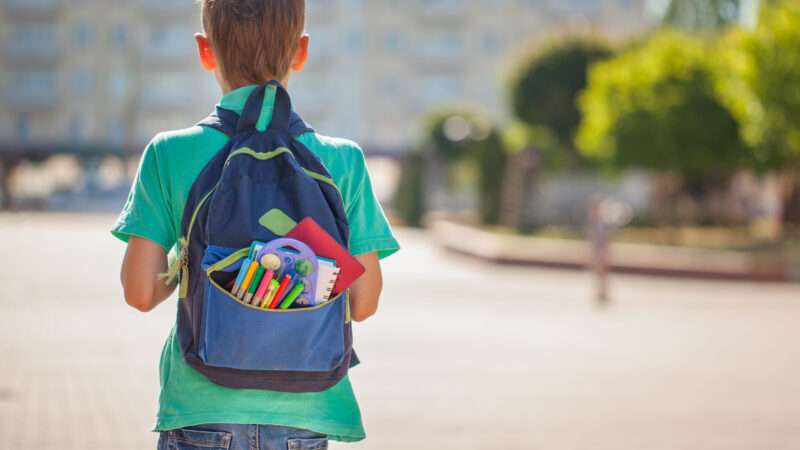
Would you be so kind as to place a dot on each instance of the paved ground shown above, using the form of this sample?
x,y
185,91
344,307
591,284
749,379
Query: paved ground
x,y
462,356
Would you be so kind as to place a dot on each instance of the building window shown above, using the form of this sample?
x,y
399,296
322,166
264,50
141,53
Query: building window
x,y
118,84
354,41
119,36
23,128
490,42
82,36
441,46
34,86
116,131
82,83
32,38
392,40
76,130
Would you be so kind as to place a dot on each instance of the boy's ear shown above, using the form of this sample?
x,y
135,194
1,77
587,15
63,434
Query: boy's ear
x,y
301,55
206,53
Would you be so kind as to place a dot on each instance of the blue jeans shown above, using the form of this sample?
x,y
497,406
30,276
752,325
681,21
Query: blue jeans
x,y
241,437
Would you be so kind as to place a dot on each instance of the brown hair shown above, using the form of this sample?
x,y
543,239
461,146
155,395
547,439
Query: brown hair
x,y
254,40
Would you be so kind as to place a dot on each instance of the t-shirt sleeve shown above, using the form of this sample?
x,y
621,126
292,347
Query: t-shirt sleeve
x,y
146,212
369,229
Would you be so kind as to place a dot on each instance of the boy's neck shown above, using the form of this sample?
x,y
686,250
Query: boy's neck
x,y
226,88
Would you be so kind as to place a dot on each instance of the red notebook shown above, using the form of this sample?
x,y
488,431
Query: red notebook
x,y
309,232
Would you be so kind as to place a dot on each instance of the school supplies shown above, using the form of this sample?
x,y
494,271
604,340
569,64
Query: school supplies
x,y
297,260
270,261
326,279
279,293
311,234
251,272
271,291
240,278
263,287
292,296
251,290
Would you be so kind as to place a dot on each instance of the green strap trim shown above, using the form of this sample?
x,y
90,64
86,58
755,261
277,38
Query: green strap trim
x,y
347,306
232,258
263,156
321,178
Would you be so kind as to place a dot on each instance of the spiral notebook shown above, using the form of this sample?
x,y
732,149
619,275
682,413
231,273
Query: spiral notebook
x,y
326,279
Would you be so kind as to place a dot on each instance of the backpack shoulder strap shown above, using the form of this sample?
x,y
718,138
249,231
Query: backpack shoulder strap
x,y
283,117
222,120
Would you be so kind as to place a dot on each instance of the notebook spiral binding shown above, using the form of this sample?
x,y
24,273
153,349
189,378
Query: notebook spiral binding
x,y
328,284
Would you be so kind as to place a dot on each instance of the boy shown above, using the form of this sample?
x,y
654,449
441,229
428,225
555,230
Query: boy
x,y
246,43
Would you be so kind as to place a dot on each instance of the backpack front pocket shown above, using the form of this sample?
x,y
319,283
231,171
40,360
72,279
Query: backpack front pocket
x,y
240,336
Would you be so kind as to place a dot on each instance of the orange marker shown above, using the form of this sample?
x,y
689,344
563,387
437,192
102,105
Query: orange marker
x,y
251,272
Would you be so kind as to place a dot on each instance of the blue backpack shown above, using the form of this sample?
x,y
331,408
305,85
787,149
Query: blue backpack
x,y
255,189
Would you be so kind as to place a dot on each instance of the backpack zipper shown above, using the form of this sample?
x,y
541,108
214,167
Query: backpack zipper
x,y
240,254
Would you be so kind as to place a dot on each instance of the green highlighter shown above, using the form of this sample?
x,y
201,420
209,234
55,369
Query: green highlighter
x,y
293,294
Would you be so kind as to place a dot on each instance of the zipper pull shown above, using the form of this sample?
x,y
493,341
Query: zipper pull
x,y
178,266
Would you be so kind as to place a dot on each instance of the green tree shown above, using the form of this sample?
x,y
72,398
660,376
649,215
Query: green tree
x,y
763,89
545,88
656,107
769,64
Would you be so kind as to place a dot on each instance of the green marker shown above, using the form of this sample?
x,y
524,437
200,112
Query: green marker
x,y
295,292
251,290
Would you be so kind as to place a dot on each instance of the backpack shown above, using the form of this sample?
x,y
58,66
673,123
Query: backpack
x,y
255,189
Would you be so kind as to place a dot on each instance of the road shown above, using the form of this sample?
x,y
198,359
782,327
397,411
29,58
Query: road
x,y
463,355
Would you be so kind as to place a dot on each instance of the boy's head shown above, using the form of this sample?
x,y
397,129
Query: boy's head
x,y
252,41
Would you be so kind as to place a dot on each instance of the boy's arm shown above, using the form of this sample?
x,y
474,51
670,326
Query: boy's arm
x,y
366,291
144,261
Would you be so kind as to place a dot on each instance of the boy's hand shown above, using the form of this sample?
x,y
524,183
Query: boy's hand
x,y
144,261
365,292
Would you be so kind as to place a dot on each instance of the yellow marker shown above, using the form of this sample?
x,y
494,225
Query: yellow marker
x,y
251,272
271,291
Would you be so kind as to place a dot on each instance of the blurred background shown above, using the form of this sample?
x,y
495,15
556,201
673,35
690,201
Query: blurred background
x,y
598,201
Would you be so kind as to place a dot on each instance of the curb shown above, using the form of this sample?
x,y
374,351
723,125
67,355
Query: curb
x,y
643,259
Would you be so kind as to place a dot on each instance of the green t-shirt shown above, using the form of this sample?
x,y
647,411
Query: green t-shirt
x,y
154,209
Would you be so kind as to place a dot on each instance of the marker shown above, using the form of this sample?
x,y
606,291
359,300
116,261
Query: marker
x,y
296,291
262,288
251,272
251,290
294,279
271,290
239,278
277,298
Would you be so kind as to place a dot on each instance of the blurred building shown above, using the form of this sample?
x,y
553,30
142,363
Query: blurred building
x,y
114,72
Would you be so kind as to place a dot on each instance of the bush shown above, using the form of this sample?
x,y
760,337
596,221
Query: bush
x,y
409,199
